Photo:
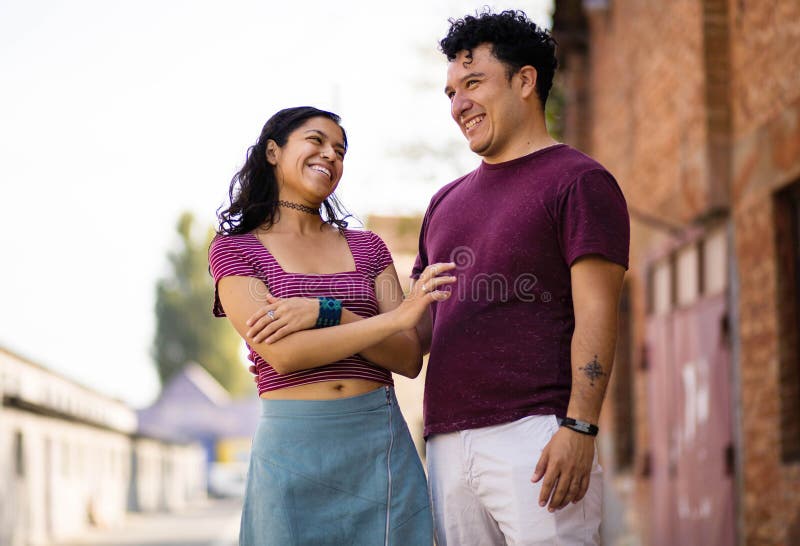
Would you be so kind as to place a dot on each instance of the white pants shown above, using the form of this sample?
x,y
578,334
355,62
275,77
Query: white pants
x,y
480,481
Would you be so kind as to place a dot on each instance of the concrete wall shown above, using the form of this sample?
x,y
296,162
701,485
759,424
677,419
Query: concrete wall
x,y
66,459
165,477
71,475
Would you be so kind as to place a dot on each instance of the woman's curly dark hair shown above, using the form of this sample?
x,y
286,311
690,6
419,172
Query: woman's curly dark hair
x,y
253,192
516,41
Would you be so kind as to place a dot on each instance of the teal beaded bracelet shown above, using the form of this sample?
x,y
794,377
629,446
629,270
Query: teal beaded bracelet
x,y
330,312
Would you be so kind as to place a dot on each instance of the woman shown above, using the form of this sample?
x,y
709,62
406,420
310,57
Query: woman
x,y
323,314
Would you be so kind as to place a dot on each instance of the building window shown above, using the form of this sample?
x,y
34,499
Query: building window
x,y
80,459
622,388
687,273
787,231
65,458
714,262
661,286
19,454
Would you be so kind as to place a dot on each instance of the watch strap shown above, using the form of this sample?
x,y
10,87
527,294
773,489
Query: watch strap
x,y
579,426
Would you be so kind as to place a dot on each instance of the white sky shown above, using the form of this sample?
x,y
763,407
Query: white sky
x,y
116,115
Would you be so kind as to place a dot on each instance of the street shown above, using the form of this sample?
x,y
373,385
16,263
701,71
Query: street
x,y
213,523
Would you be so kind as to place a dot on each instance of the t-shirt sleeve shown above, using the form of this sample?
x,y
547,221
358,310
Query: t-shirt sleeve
x,y
422,255
225,259
419,265
381,257
593,219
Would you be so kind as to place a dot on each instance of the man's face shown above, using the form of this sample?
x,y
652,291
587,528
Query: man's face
x,y
483,102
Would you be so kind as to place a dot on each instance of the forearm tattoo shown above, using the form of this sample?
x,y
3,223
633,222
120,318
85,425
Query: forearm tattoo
x,y
593,370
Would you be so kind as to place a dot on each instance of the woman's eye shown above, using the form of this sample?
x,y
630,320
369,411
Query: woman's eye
x,y
315,139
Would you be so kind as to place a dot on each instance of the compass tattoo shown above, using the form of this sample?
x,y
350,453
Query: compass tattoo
x,y
593,370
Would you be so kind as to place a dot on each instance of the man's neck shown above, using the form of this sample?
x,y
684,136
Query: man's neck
x,y
531,135
523,148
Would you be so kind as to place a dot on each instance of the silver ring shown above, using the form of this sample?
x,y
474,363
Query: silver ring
x,y
435,270
271,314
424,290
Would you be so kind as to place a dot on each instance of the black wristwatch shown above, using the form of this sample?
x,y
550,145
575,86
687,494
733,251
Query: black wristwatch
x,y
579,426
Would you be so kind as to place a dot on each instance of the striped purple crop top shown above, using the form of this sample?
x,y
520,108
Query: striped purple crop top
x,y
244,255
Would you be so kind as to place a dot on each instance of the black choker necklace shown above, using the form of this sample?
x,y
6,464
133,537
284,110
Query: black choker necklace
x,y
298,206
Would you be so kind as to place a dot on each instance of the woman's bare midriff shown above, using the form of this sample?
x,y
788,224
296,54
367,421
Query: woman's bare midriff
x,y
324,390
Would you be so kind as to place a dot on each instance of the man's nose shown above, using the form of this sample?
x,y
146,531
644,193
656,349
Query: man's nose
x,y
460,106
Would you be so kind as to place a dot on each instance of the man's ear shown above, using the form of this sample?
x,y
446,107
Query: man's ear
x,y
527,78
272,152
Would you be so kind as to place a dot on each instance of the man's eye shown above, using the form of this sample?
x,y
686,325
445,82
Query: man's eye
x,y
471,82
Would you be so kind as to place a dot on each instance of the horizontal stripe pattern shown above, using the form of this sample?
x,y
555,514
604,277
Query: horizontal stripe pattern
x,y
244,255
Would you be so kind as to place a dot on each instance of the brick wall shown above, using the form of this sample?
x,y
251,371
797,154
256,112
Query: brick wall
x,y
766,61
647,103
766,158
695,107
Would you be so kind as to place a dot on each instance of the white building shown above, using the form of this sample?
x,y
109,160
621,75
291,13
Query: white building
x,y
70,458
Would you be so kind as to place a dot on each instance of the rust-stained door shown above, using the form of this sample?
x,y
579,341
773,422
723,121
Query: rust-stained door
x,y
689,385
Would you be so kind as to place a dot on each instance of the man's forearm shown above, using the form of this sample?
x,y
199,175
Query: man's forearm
x,y
593,345
596,287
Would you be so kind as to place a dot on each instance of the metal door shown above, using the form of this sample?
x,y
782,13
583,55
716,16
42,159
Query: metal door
x,y
691,425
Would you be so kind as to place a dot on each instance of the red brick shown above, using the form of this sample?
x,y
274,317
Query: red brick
x,y
671,88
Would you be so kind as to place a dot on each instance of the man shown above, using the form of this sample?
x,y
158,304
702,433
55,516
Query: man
x,y
521,353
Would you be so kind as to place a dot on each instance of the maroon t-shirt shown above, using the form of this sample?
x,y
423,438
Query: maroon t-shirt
x,y
501,343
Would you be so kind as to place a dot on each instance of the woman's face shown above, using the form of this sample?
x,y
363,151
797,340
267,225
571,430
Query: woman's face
x,y
309,165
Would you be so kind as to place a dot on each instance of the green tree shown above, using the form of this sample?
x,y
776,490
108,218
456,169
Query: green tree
x,y
186,330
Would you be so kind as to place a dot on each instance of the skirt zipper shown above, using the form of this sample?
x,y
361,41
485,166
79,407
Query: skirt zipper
x,y
389,465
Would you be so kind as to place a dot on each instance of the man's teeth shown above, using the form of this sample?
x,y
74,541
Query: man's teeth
x,y
322,170
473,122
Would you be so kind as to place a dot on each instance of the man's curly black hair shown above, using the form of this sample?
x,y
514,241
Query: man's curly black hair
x,y
516,41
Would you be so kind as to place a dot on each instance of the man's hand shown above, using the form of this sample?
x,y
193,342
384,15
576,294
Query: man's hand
x,y
565,465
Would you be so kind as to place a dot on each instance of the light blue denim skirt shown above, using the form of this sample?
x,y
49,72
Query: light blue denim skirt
x,y
335,472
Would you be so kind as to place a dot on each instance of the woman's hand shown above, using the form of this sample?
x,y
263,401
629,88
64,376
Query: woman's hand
x,y
424,291
281,317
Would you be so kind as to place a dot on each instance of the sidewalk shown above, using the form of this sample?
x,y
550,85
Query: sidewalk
x,y
213,523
